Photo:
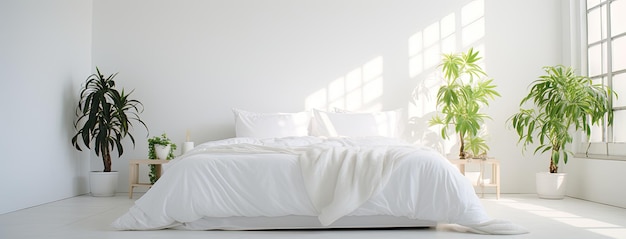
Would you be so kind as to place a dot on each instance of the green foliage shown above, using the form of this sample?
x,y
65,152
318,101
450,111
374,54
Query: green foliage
x,y
105,117
476,146
161,140
562,100
461,98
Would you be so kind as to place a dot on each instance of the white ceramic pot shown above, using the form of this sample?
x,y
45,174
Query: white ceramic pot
x,y
103,184
162,151
551,185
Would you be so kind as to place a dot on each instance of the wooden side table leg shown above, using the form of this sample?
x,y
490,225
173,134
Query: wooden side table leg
x,y
133,178
158,171
496,169
481,179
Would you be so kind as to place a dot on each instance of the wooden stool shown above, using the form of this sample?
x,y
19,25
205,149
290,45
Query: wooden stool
x,y
133,172
495,172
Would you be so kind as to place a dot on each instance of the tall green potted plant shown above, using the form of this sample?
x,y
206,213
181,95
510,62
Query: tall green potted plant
x,y
562,101
104,118
465,92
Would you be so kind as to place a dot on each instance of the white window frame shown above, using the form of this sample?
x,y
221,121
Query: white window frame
x,y
607,149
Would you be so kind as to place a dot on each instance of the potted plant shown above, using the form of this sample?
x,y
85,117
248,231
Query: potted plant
x,y
562,101
105,117
465,92
159,147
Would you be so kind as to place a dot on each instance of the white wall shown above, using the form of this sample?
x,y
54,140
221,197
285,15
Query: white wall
x,y
190,61
44,55
597,180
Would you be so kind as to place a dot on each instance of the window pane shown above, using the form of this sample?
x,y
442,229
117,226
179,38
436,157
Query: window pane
x,y
596,134
619,130
619,86
600,61
593,3
619,54
597,80
596,130
618,17
594,25
595,60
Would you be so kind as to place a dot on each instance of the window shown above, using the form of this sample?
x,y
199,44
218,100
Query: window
x,y
606,64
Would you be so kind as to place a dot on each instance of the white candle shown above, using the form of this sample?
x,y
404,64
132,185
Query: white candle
x,y
187,146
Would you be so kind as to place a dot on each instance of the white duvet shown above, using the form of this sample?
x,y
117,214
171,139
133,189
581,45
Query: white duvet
x,y
310,176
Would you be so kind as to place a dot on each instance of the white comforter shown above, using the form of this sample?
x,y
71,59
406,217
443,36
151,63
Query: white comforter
x,y
309,176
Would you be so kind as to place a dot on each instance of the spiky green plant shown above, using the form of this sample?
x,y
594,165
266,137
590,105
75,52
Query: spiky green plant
x,y
476,146
562,101
465,92
105,117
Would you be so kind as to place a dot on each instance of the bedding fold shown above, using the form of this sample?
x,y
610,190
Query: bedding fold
x,y
339,180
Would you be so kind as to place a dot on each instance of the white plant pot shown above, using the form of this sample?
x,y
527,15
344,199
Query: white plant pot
x,y
551,185
162,151
103,184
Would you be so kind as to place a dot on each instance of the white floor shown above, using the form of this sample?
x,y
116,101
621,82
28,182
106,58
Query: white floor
x,y
89,217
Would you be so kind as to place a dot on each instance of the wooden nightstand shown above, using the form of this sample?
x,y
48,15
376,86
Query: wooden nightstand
x,y
133,172
495,172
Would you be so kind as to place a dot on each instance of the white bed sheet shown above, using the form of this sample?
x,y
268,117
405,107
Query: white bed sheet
x,y
244,177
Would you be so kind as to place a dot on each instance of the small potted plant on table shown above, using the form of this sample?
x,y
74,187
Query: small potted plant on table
x,y
159,147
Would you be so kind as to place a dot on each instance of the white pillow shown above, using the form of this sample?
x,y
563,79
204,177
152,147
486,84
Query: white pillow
x,y
270,125
350,124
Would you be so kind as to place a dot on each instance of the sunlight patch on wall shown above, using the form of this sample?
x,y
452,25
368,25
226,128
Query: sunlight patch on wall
x,y
473,22
426,46
358,90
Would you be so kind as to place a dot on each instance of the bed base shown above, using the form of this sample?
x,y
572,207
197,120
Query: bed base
x,y
302,222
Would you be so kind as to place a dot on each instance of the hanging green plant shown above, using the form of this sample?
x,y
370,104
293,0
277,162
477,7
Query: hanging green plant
x,y
158,140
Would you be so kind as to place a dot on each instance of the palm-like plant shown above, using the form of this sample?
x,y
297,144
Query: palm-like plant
x,y
105,117
562,100
461,98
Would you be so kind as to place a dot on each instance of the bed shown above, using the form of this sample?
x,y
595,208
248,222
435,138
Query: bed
x,y
293,180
